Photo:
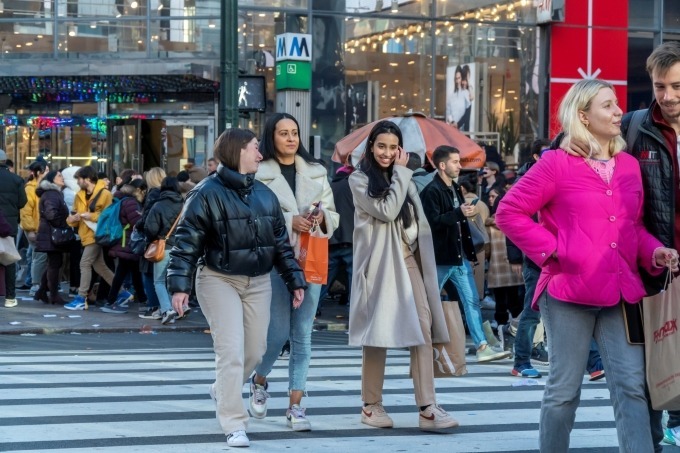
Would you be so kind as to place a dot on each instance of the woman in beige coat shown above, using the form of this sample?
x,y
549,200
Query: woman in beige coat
x,y
395,298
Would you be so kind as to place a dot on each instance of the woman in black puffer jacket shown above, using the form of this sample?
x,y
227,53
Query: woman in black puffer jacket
x,y
233,229
158,224
53,213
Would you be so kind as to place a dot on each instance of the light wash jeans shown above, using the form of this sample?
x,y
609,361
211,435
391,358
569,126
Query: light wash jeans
x,y
460,276
294,324
160,272
570,328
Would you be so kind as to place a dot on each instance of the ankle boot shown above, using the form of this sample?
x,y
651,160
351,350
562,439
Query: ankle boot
x,y
488,333
41,295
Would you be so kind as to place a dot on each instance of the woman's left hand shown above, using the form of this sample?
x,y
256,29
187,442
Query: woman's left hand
x,y
298,297
666,257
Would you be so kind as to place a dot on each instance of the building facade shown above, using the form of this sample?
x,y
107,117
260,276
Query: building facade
x,y
134,83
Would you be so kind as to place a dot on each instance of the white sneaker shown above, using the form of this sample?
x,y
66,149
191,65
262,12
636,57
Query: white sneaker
x,y
238,439
34,289
297,419
258,399
10,303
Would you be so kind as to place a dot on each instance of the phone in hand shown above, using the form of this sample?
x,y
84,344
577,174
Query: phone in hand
x,y
314,212
474,202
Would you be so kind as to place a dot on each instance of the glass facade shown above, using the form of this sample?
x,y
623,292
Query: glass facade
x,y
69,90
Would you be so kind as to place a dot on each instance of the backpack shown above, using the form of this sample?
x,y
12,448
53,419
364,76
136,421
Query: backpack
x,y
109,228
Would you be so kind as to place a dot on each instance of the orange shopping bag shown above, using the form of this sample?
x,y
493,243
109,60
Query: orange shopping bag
x,y
313,257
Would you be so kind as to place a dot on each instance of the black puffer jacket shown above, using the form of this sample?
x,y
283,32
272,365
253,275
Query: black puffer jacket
x,y
162,215
234,225
659,183
53,213
450,246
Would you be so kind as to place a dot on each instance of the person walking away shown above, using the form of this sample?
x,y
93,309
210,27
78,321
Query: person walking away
x,y
301,184
394,273
596,205
504,276
130,195
159,222
53,214
233,229
448,214
12,199
154,178
30,220
90,201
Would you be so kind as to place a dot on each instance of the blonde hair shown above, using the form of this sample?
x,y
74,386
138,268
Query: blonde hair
x,y
154,177
579,98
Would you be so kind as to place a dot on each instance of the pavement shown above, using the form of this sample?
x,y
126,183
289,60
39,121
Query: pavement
x,y
31,317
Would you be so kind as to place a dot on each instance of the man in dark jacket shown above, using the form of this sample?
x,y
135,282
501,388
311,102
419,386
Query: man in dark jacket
x,y
653,140
447,214
652,137
340,244
12,199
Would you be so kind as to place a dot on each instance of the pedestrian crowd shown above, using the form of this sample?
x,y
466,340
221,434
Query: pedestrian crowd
x,y
560,251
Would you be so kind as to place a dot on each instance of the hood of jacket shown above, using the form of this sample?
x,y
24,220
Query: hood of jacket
x,y
44,186
70,180
171,196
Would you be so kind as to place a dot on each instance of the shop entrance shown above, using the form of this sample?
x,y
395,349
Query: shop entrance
x,y
141,144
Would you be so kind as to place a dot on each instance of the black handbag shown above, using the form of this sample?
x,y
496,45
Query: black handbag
x,y
137,242
633,319
63,236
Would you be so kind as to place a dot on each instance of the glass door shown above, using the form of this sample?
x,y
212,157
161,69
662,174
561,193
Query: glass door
x,y
123,145
188,139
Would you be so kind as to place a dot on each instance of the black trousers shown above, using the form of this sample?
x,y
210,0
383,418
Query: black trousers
x,y
123,269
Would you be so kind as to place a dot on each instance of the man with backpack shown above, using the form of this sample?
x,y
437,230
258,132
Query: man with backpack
x,y
90,201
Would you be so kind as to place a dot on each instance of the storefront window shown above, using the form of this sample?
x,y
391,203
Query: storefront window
x,y
671,14
643,13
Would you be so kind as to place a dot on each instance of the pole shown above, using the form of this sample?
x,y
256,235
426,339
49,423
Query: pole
x,y
228,107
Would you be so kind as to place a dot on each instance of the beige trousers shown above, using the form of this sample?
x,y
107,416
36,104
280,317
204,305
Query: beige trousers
x,y
373,366
237,310
92,258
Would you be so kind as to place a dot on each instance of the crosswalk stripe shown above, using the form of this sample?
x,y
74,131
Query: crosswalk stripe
x,y
117,400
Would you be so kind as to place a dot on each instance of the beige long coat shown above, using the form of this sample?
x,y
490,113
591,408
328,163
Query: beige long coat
x,y
383,310
311,185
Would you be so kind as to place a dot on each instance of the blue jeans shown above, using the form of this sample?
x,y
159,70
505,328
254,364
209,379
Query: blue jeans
x,y
160,272
150,290
570,328
528,320
460,277
294,324
337,256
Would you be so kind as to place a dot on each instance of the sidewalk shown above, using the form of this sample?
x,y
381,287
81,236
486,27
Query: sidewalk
x,y
33,317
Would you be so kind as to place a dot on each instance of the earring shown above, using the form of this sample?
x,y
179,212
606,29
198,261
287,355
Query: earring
x,y
586,124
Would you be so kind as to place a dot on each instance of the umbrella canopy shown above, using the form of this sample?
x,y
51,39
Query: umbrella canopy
x,y
421,135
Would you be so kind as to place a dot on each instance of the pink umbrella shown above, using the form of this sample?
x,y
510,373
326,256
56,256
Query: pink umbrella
x,y
421,135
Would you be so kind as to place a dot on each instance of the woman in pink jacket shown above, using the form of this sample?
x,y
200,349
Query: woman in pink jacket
x,y
589,243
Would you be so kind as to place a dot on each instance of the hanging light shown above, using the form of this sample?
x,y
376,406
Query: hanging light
x,y
395,6
378,5
211,23
72,30
2,7
134,4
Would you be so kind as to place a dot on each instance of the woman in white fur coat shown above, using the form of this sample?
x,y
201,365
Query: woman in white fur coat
x,y
395,296
300,182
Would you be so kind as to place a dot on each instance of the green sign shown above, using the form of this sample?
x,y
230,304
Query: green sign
x,y
293,75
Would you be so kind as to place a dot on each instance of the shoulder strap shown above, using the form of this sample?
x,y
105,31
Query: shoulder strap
x,y
172,228
93,203
634,127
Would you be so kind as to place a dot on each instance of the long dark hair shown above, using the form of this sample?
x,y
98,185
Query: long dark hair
x,y
267,148
378,184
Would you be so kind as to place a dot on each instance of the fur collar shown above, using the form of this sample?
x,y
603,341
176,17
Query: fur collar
x,y
269,169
